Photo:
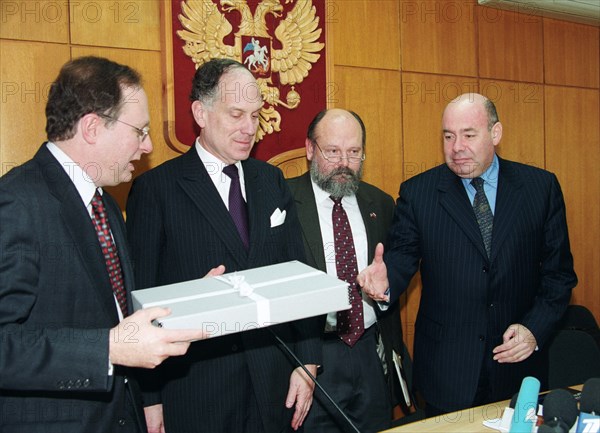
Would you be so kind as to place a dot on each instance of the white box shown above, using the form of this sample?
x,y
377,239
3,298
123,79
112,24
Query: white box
x,y
280,293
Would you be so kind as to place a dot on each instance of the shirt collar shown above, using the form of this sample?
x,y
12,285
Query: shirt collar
x,y
490,176
214,166
83,183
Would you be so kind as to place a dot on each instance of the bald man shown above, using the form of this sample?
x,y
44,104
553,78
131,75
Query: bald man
x,y
496,265
352,371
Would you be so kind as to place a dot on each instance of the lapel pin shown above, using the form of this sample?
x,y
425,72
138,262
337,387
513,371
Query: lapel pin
x,y
373,215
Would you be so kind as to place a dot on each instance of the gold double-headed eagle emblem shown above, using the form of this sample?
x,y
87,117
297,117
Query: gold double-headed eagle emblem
x,y
206,28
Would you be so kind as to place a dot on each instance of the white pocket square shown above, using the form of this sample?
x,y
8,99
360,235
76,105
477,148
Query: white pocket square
x,y
277,218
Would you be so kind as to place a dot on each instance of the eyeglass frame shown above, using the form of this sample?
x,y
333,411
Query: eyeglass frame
x,y
347,158
142,132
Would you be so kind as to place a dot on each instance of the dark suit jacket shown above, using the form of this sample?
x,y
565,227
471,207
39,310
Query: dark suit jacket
x,y
56,307
180,229
468,300
377,209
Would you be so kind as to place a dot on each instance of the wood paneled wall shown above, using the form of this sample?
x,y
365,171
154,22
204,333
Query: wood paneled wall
x,y
37,37
396,62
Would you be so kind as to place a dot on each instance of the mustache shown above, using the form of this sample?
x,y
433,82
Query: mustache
x,y
343,171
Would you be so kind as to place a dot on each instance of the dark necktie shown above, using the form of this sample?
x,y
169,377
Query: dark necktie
x,y
109,249
237,204
483,213
350,323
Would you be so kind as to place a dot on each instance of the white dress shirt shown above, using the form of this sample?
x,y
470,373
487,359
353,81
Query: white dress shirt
x,y
359,234
214,167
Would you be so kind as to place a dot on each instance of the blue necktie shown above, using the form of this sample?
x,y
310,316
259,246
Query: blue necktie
x,y
237,205
483,213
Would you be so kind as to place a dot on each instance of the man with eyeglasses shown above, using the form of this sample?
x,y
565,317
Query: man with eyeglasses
x,y
66,339
352,370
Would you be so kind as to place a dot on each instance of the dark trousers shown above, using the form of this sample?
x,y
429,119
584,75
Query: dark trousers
x,y
354,378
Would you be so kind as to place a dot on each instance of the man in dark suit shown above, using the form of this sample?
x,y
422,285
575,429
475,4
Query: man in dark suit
x,y
181,225
496,265
64,344
352,374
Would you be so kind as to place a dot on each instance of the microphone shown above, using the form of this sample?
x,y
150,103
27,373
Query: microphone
x,y
589,405
525,415
513,401
560,412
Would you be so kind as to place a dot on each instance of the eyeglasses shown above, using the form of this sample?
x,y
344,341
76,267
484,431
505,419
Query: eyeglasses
x,y
335,156
141,132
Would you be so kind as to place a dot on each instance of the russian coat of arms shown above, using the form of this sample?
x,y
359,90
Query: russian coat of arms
x,y
280,58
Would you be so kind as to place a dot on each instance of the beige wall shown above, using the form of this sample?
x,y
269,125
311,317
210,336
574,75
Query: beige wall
x,y
396,62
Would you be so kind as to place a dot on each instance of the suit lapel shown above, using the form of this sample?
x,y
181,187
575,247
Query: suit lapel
x,y
508,204
196,183
118,232
77,222
257,209
454,199
368,211
309,220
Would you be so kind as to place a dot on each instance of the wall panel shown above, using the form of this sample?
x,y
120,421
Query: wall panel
x,y
41,20
116,23
510,45
438,37
26,71
573,154
572,53
357,41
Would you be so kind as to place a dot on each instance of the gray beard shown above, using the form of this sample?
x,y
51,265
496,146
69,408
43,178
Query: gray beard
x,y
334,187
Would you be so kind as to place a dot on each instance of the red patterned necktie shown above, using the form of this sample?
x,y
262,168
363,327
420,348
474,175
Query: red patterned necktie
x,y
109,249
350,323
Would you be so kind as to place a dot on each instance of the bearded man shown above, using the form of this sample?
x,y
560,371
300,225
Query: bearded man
x,y
343,221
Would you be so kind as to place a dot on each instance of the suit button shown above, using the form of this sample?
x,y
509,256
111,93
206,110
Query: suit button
x,y
234,348
86,383
122,422
482,338
485,269
78,383
60,384
492,305
70,384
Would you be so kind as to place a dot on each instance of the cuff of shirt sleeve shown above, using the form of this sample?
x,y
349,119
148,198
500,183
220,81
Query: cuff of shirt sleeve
x,y
383,306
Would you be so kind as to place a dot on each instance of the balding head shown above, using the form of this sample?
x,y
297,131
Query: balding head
x,y
471,132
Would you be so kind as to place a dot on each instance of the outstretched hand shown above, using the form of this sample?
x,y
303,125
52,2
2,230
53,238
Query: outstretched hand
x,y
373,279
